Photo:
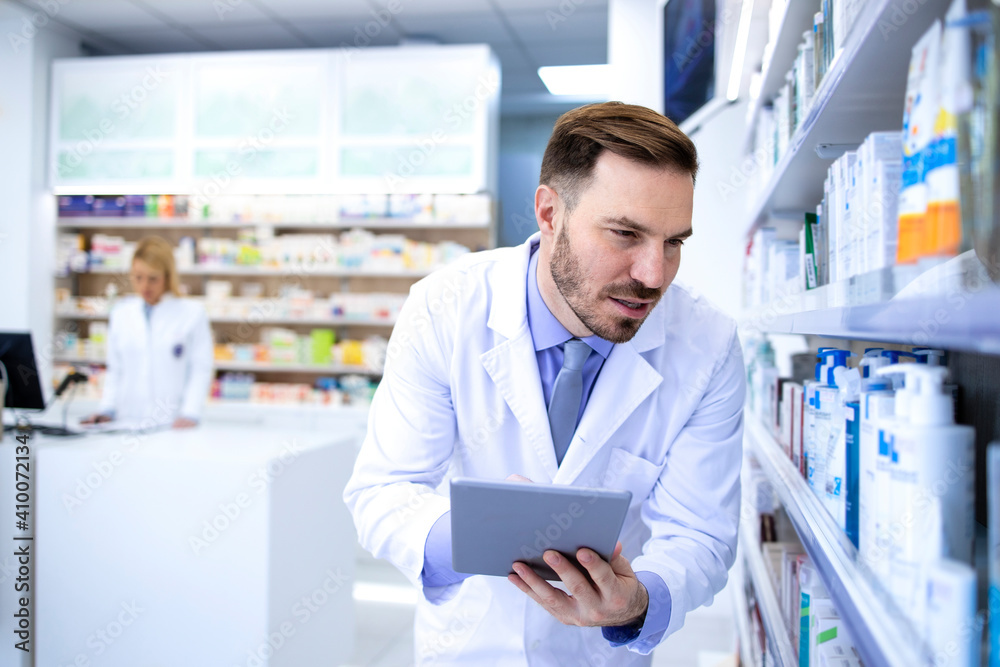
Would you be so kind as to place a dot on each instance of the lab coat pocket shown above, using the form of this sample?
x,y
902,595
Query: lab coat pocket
x,y
631,473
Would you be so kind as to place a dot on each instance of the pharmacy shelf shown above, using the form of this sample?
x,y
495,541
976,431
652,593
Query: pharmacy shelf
x,y
874,623
748,647
251,366
862,92
260,271
797,18
122,222
277,321
326,369
957,310
779,641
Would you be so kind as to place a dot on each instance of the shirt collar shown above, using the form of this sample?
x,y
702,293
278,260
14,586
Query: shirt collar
x,y
546,330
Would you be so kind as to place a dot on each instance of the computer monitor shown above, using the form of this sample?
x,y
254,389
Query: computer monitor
x,y
24,391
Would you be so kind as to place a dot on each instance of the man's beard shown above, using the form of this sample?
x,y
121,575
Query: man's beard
x,y
568,277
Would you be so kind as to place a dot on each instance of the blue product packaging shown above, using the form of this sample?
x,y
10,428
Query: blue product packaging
x,y
109,207
852,437
135,206
993,521
74,206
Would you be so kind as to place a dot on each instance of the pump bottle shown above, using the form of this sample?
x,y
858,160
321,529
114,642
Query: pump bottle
x,y
931,484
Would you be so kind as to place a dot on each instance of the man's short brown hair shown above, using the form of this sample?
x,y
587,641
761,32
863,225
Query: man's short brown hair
x,y
633,132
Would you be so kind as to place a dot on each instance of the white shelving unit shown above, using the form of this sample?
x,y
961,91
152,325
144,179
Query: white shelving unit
x,y
948,306
255,271
954,309
123,222
286,321
797,18
253,366
862,92
748,646
779,641
876,626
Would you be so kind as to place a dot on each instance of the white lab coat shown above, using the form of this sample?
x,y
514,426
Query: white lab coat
x,y
158,369
461,395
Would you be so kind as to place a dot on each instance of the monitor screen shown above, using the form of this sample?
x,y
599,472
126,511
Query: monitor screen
x,y
688,57
18,357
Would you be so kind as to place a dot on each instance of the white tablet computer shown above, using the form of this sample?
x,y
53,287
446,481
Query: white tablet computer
x,y
495,523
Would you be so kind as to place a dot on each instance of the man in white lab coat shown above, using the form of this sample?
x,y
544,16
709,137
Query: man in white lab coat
x,y
474,386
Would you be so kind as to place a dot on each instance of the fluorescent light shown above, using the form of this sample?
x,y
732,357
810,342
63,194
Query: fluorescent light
x,y
740,52
577,79
384,593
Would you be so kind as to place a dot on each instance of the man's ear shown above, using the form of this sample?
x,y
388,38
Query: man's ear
x,y
547,208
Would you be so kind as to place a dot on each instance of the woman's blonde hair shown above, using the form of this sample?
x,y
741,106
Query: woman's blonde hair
x,y
159,254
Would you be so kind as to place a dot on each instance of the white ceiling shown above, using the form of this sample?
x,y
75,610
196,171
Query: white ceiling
x,y
520,31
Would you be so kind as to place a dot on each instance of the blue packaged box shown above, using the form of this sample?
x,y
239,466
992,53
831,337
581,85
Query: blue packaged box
x,y
109,207
135,205
74,206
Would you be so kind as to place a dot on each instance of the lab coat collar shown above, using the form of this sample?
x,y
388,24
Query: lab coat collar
x,y
626,378
509,314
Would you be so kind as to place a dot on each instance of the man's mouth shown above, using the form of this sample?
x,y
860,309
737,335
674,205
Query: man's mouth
x,y
634,305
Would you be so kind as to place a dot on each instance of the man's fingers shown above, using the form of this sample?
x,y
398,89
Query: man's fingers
x,y
518,478
600,571
617,552
576,582
542,592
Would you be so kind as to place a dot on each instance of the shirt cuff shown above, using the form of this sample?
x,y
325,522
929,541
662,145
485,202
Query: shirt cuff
x,y
437,556
657,618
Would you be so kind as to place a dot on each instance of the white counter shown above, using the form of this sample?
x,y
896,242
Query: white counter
x,y
221,545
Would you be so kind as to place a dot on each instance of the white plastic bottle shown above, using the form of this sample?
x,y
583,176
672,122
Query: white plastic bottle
x,y
809,413
931,488
828,422
876,403
848,383
950,620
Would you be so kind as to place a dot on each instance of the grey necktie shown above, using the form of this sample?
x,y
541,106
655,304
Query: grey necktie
x,y
567,392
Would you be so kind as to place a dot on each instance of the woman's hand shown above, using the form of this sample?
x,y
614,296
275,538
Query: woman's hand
x,y
96,419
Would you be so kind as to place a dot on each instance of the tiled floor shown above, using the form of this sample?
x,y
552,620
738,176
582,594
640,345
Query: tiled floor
x,y
384,635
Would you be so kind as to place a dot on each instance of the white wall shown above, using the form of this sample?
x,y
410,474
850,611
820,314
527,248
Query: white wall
x,y
712,259
27,220
635,51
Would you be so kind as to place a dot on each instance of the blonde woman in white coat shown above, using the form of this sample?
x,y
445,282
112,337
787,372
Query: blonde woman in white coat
x,y
159,364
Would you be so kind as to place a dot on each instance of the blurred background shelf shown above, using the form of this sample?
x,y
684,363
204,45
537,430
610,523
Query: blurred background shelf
x,y
346,223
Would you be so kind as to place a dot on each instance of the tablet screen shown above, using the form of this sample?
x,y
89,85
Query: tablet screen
x,y
495,523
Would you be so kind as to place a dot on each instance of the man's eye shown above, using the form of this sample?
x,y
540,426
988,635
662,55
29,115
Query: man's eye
x,y
626,233
676,242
